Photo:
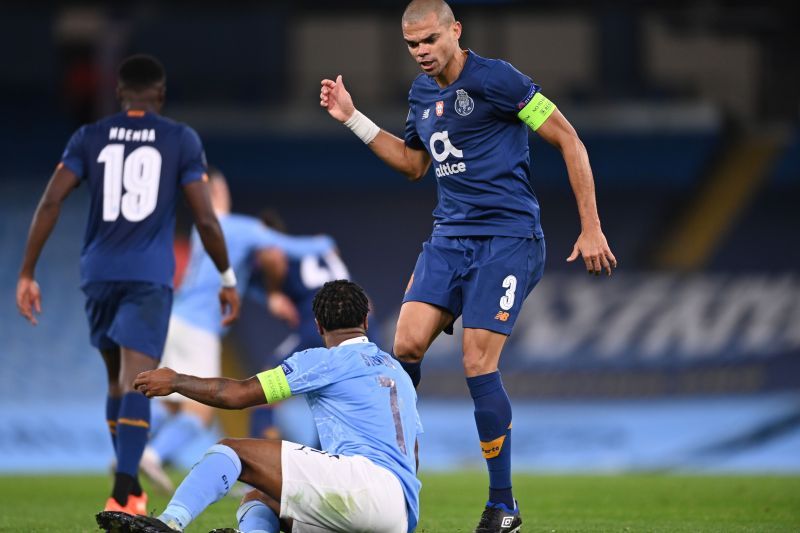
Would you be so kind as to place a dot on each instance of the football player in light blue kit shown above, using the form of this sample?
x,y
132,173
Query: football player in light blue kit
x,y
193,344
364,405
469,116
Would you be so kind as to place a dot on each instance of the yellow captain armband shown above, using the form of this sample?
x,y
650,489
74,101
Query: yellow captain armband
x,y
275,384
536,111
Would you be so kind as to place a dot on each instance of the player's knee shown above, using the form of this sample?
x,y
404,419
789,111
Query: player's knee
x,y
407,349
477,364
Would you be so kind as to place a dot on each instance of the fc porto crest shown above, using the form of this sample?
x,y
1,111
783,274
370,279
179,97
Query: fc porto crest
x,y
464,103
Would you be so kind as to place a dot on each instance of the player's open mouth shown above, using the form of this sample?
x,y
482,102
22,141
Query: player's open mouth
x,y
426,65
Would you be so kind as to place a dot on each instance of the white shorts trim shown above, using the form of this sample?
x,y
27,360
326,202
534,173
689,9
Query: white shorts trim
x,y
191,350
323,492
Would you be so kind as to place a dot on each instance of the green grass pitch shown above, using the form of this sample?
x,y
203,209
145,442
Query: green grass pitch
x,y
453,502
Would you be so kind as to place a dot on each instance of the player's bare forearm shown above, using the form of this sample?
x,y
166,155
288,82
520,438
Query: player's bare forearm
x,y
394,152
591,243
559,132
44,220
207,224
224,393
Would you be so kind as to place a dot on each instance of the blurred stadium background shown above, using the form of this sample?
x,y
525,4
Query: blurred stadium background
x,y
687,359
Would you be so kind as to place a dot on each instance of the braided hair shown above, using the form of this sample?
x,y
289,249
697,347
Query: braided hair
x,y
340,304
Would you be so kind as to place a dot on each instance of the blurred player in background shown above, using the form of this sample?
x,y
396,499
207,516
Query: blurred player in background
x,y
364,406
193,343
134,163
487,250
291,284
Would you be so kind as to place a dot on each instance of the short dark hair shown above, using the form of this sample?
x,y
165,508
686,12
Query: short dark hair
x,y
340,304
141,71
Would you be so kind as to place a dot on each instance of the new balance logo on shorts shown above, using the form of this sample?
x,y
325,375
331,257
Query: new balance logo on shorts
x,y
502,316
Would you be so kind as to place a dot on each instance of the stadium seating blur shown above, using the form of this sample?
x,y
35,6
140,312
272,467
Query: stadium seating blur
x,y
687,358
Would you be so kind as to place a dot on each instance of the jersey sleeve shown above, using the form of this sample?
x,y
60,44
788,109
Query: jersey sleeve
x,y
293,247
410,135
193,157
300,373
508,90
74,155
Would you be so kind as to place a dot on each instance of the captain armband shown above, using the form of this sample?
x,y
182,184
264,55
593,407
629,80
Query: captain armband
x,y
537,111
275,385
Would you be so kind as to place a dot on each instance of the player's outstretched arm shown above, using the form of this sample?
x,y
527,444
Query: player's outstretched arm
x,y
390,149
223,393
273,264
214,243
44,220
591,243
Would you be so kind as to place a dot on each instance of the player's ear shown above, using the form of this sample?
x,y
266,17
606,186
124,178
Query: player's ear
x,y
319,328
456,30
366,323
119,93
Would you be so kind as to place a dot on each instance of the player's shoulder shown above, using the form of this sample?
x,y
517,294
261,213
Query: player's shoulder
x,y
487,65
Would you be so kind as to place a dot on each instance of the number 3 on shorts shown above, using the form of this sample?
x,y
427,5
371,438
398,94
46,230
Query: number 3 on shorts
x,y
507,301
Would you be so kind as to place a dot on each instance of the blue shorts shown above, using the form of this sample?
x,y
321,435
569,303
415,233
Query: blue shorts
x,y
485,279
130,314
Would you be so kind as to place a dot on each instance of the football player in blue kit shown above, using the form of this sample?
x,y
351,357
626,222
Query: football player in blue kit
x,y
134,164
469,116
364,406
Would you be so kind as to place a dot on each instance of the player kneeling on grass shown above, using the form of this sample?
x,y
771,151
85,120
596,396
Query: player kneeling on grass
x,y
364,406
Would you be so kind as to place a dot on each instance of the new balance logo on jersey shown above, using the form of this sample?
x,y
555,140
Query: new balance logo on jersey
x,y
447,169
426,113
127,134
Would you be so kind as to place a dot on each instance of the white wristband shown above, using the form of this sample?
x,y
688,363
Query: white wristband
x,y
364,128
228,278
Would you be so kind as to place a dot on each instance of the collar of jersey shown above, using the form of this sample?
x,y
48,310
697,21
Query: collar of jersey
x,y
355,340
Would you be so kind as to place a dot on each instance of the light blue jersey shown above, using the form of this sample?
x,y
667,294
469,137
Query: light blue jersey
x,y
197,300
363,404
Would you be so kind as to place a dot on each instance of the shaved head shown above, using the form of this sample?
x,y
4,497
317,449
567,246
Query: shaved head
x,y
418,10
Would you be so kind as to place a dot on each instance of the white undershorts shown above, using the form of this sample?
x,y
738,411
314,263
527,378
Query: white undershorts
x,y
330,493
191,350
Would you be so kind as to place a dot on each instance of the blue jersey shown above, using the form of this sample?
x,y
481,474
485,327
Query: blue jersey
x,y
479,148
364,404
305,276
134,164
197,299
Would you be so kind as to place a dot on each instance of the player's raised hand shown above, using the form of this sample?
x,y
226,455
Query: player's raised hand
x,y
229,303
335,98
593,247
29,299
159,382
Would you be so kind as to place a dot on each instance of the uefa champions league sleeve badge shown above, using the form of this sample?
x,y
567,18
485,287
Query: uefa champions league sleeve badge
x,y
464,103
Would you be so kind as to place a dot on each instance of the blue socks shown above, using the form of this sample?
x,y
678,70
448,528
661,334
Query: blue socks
x,y
414,371
112,413
175,433
209,480
133,424
493,420
255,517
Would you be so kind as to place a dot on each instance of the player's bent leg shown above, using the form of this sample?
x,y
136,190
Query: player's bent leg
x,y
417,327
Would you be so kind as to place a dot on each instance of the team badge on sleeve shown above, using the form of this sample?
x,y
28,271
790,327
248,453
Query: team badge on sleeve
x,y
464,103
